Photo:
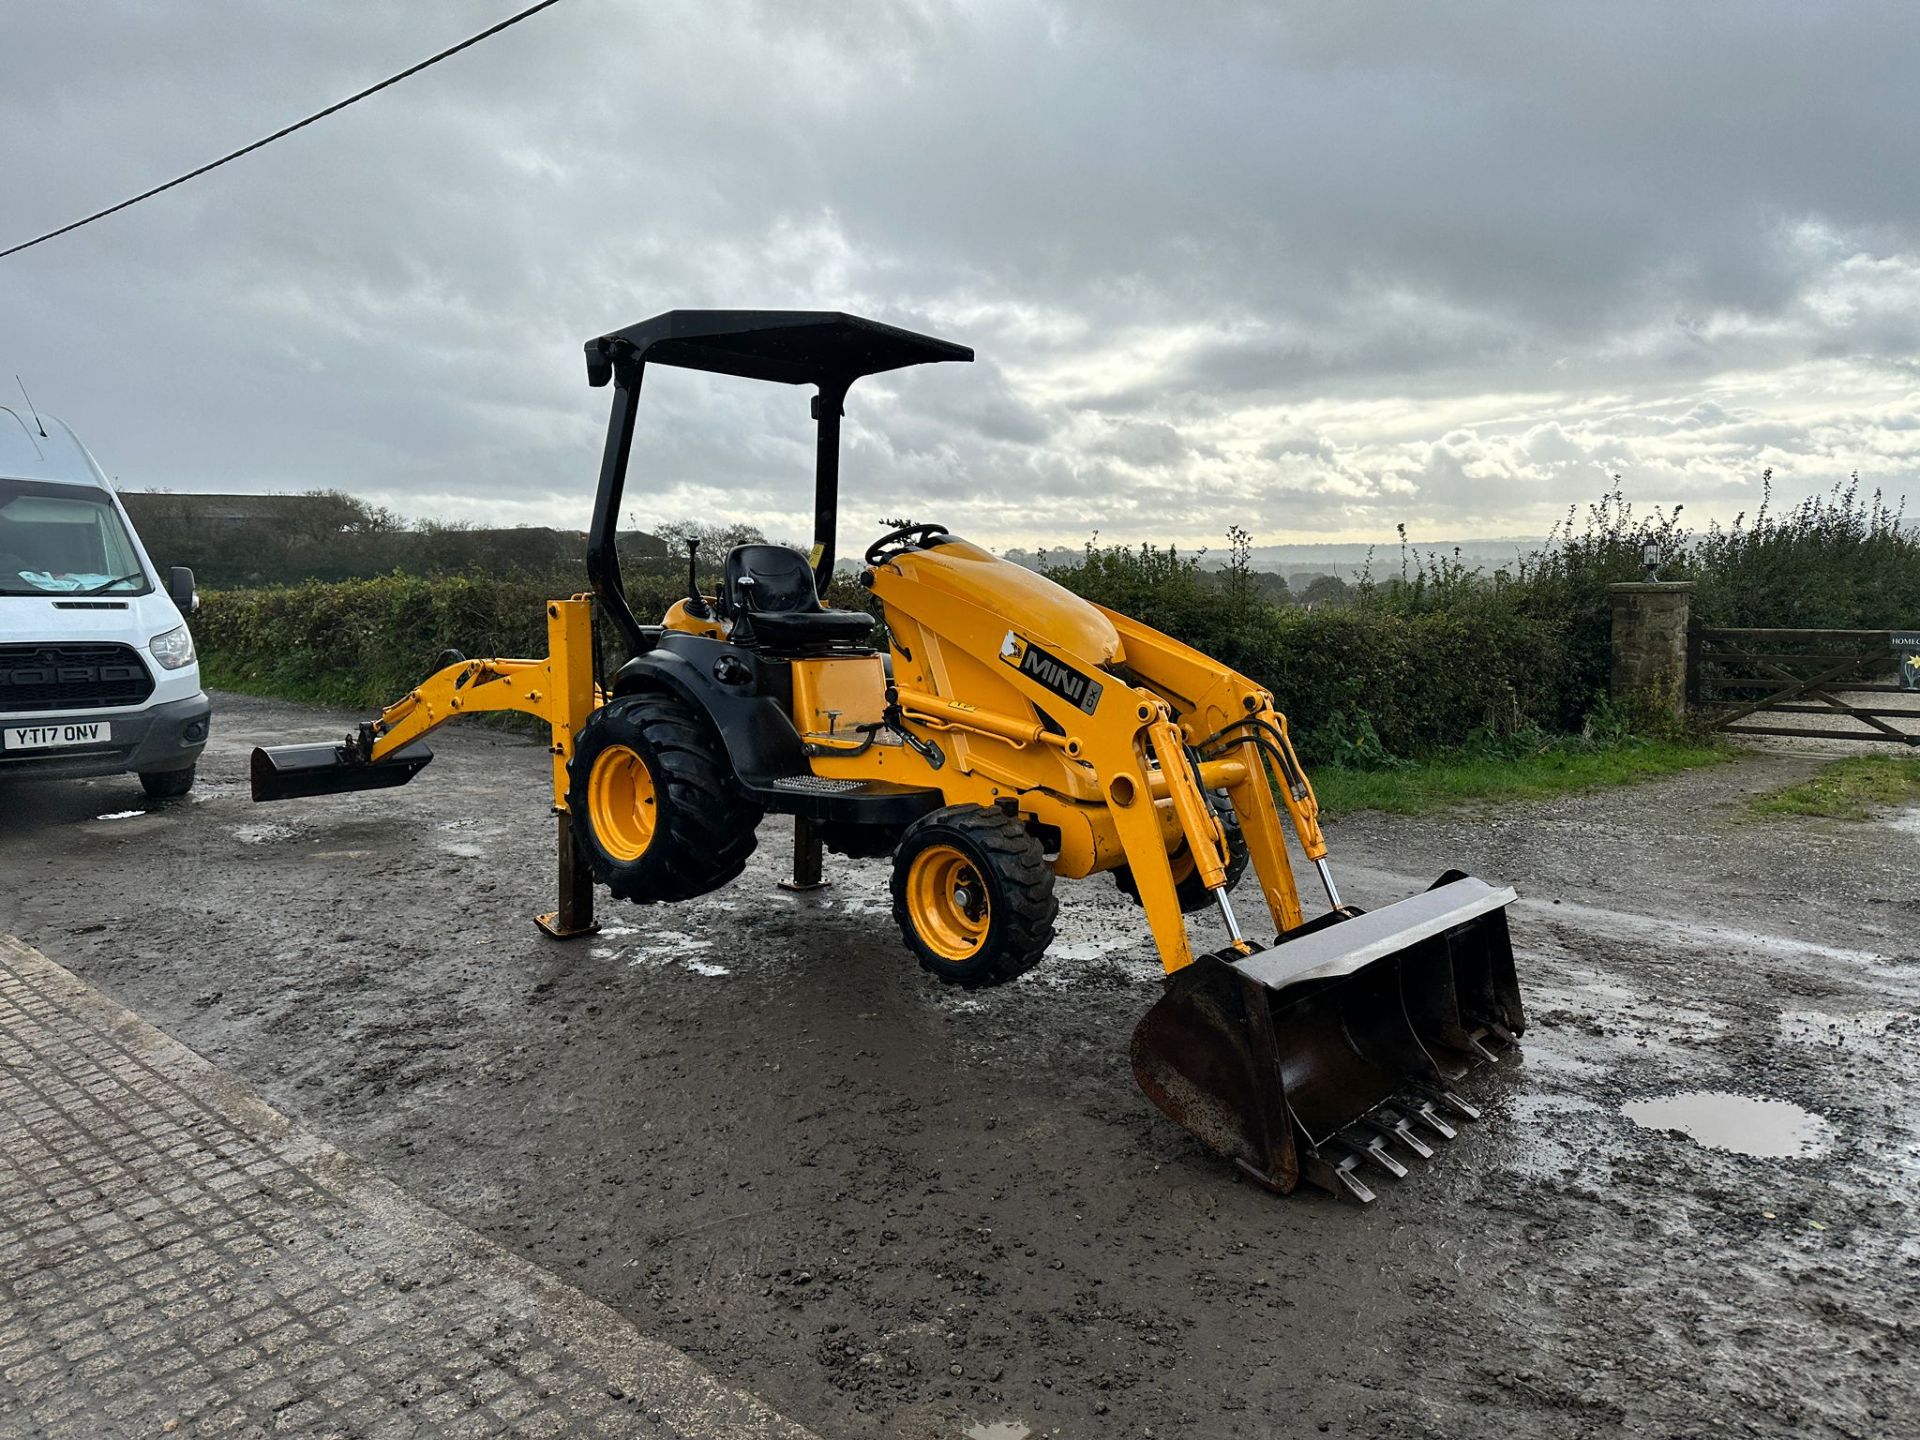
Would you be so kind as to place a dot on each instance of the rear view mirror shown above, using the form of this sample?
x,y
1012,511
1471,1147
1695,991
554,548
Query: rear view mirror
x,y
180,589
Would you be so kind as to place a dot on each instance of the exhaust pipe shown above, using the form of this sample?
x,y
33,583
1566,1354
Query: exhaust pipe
x,y
1309,1059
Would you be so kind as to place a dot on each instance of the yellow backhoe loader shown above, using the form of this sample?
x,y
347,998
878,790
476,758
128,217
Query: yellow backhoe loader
x,y
1007,735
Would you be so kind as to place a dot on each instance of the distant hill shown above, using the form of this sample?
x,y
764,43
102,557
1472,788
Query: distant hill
x,y
1347,560
240,540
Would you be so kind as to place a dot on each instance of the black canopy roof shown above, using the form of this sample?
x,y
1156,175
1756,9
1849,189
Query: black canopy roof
x,y
790,347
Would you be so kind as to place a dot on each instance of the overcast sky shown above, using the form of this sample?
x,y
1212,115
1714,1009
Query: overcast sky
x,y
1312,269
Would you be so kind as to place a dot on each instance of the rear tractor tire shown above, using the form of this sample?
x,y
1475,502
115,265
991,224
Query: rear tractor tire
x,y
973,895
653,804
1193,895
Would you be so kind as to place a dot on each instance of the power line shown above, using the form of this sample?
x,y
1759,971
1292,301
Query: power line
x,y
471,40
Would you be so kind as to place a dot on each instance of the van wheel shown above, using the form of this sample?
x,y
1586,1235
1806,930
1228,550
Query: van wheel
x,y
166,784
653,803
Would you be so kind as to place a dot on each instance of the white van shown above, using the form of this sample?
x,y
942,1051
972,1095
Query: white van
x,y
97,670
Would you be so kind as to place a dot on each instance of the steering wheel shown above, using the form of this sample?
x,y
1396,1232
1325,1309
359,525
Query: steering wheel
x,y
901,539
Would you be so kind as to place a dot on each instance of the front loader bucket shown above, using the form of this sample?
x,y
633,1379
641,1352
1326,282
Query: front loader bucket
x,y
1319,1055
294,772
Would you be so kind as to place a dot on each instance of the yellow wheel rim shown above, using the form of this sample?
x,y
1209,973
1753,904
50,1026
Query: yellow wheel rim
x,y
620,802
948,903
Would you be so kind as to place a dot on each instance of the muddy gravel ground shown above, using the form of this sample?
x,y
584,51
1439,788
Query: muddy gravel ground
x,y
889,1208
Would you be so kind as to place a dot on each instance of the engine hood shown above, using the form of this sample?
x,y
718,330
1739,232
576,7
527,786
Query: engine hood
x,y
1049,612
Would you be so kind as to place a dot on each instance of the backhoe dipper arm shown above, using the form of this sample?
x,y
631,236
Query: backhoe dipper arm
x,y
386,750
558,690
462,688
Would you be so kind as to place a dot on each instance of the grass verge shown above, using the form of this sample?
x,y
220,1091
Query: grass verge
x,y
216,674
1850,789
1557,768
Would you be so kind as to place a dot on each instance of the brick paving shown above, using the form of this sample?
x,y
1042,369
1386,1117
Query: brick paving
x,y
177,1258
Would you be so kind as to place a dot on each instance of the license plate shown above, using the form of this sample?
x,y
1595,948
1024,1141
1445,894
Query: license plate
x,y
51,737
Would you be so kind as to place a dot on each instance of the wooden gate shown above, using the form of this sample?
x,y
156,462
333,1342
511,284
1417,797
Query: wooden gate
x,y
1738,677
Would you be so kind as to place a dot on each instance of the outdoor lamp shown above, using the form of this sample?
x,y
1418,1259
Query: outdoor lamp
x,y
1650,557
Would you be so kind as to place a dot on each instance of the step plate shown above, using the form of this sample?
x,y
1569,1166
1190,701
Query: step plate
x,y
817,785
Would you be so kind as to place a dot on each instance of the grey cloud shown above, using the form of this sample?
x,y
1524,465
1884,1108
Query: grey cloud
x,y
1222,262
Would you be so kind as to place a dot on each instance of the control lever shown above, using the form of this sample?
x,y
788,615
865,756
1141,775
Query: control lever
x,y
696,602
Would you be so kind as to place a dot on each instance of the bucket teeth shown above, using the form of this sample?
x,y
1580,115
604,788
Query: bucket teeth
x,y
1351,1184
1334,1169
1390,1126
1430,1117
1334,1164
1372,1147
1447,1100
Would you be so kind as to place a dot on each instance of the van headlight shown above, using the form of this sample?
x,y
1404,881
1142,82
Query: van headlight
x,y
173,649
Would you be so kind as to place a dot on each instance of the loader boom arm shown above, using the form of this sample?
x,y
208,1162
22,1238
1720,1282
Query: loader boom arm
x,y
1224,715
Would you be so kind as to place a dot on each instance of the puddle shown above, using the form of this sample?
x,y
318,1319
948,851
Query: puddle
x,y
262,832
848,904
1089,949
671,942
998,1430
654,948
120,815
463,849
1742,1124
1905,821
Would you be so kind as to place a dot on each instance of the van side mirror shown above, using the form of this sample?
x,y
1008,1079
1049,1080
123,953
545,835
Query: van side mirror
x,y
180,589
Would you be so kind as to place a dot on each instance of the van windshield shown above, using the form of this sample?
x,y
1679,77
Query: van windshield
x,y
64,538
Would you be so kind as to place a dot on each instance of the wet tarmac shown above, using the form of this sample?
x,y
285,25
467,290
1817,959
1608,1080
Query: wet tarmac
x,y
754,1128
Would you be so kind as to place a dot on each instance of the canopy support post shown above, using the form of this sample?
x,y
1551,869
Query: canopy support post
x,y
828,406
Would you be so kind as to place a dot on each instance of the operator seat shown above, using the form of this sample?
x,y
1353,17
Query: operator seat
x,y
770,597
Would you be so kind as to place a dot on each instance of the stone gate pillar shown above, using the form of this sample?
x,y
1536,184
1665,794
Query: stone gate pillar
x,y
1650,644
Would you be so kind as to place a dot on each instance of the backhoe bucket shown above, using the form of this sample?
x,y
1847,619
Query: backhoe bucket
x,y
1320,1055
295,772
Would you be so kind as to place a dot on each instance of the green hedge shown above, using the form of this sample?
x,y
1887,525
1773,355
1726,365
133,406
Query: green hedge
x,y
1366,676
1419,681
363,643
1430,657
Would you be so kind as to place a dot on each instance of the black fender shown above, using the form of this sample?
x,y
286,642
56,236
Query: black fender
x,y
742,695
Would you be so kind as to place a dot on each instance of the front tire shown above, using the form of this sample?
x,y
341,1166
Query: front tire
x,y
653,804
167,784
973,895
1193,895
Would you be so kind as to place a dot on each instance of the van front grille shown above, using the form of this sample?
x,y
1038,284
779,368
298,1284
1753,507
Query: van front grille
x,y
71,677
